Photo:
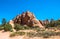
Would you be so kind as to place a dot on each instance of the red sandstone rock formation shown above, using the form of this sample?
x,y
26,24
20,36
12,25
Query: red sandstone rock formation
x,y
27,18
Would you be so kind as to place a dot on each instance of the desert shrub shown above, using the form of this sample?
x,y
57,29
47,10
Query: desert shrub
x,y
31,34
39,34
18,27
21,27
16,34
1,27
8,27
50,25
45,34
13,34
27,27
37,28
53,23
57,22
20,33
47,26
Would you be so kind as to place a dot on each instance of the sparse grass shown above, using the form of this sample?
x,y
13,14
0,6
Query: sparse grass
x,y
31,34
44,34
13,34
47,34
17,34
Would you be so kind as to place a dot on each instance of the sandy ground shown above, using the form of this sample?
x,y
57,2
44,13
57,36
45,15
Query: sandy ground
x,y
5,35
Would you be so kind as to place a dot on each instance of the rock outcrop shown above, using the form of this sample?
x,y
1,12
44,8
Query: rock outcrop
x,y
27,18
44,22
11,22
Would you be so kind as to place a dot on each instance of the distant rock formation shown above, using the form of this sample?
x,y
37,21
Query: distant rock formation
x,y
44,22
27,18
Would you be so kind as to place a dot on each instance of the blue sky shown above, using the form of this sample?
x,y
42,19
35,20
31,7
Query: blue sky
x,y
42,9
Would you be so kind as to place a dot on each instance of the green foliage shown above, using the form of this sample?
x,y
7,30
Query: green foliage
x,y
53,23
20,27
8,27
37,28
4,21
57,22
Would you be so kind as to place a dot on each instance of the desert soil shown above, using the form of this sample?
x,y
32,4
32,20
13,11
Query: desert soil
x,y
5,35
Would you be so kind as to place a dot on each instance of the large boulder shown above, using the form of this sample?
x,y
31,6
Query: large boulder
x,y
27,18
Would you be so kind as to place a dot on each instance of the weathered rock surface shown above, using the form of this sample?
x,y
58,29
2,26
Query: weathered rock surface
x,y
27,18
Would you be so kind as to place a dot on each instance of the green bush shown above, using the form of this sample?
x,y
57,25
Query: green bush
x,y
27,27
21,27
18,27
8,27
